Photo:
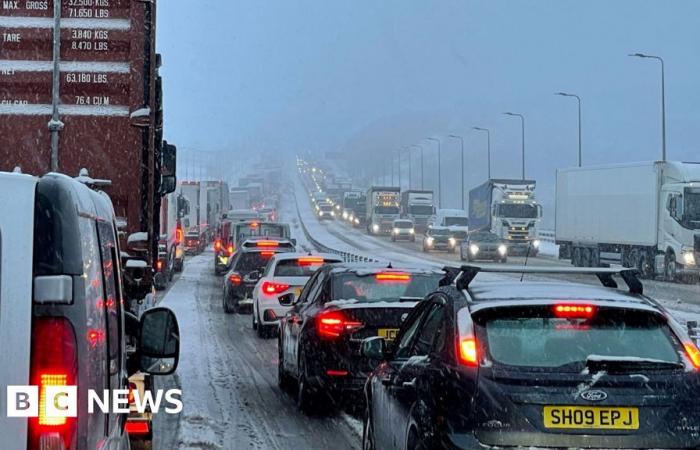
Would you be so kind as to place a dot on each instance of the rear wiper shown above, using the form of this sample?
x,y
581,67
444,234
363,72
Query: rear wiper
x,y
410,299
613,363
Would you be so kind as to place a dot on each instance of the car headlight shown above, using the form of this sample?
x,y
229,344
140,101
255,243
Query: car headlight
x,y
345,216
333,213
474,249
429,240
356,220
536,243
337,206
689,258
412,231
375,227
502,249
395,231
452,241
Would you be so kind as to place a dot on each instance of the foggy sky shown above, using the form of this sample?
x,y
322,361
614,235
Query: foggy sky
x,y
371,76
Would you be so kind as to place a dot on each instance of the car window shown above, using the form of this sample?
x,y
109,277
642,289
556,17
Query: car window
x,y
427,333
251,261
408,332
320,282
372,288
307,288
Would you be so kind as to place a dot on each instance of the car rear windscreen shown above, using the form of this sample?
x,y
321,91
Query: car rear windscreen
x,y
249,262
383,287
537,338
298,267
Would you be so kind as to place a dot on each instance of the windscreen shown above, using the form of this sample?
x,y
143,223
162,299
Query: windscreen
x,y
439,232
692,208
371,288
456,221
536,338
302,267
386,209
517,211
248,262
485,237
421,210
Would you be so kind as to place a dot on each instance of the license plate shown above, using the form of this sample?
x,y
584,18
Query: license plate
x,y
223,259
591,417
388,333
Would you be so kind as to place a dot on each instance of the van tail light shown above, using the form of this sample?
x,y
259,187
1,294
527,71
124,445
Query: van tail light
x,y
693,353
574,311
235,279
332,324
468,354
159,265
230,250
217,245
270,287
53,363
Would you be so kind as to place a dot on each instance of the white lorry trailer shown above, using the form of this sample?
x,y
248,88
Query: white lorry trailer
x,y
507,208
644,215
418,206
382,209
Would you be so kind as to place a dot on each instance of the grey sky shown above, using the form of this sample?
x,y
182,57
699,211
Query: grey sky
x,y
371,76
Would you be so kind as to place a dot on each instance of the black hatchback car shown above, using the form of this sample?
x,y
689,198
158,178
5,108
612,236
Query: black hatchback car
x,y
247,267
483,246
535,364
342,304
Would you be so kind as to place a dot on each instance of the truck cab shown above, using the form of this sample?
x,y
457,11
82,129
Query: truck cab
x,y
382,209
419,207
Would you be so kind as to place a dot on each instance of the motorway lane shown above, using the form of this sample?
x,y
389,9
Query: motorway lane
x,y
229,380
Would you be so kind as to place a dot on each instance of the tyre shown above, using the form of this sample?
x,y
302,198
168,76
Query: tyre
x,y
504,260
670,266
308,397
645,266
227,306
284,381
253,319
367,433
417,441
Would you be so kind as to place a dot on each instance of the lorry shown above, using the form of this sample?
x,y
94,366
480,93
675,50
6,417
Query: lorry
x,y
418,206
173,208
195,219
217,204
643,214
239,199
349,205
454,220
509,209
382,209
96,114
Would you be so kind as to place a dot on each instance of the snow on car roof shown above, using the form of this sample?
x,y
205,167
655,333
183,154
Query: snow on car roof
x,y
295,255
363,269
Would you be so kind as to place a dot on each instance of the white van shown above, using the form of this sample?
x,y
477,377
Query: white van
x,y
456,220
62,320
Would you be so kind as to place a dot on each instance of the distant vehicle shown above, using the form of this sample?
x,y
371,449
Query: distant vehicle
x,y
644,215
164,266
483,246
267,214
326,211
223,246
61,256
560,363
239,199
456,220
382,209
418,206
243,230
194,242
350,205
509,209
439,238
247,266
319,341
403,229
242,215
286,273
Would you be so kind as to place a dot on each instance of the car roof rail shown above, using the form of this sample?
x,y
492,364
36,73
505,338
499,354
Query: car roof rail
x,y
465,274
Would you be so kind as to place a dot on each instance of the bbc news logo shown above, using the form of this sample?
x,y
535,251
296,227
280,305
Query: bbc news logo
x,y
61,401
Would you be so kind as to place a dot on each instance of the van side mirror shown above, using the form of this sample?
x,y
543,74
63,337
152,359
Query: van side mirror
x,y
375,348
286,299
159,343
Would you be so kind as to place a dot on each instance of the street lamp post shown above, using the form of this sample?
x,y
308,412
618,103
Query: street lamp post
x,y
522,125
439,171
564,94
663,101
420,147
461,141
488,147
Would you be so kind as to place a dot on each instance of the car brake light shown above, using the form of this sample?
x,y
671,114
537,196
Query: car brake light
x,y
393,277
53,363
467,352
235,279
159,265
270,287
574,311
310,261
230,250
267,254
693,353
267,244
333,323
217,245
134,427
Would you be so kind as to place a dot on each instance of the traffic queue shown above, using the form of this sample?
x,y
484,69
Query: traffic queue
x,y
472,356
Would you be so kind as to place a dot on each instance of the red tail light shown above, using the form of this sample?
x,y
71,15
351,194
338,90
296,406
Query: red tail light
x,y
310,261
53,363
268,244
159,265
217,245
332,324
693,353
137,427
235,279
393,277
468,354
574,311
267,254
270,287
179,235
230,250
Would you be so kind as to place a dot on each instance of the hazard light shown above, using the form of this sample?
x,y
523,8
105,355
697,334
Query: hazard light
x,y
235,279
468,354
217,245
254,225
693,353
310,261
267,244
565,311
393,277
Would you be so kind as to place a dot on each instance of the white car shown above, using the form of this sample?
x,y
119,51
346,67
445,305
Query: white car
x,y
286,273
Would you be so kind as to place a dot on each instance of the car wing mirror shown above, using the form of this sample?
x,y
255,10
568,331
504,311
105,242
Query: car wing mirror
x,y
375,348
159,343
286,299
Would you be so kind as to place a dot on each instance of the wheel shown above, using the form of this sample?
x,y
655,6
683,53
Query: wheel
x,y
284,381
416,441
576,259
645,266
227,306
253,319
367,433
307,397
670,265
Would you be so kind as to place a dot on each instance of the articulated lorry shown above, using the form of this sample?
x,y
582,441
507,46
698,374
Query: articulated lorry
x,y
644,215
418,206
507,208
382,209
